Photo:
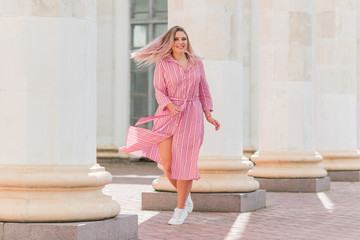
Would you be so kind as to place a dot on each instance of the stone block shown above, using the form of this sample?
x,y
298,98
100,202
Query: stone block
x,y
294,184
206,202
124,226
1,230
349,175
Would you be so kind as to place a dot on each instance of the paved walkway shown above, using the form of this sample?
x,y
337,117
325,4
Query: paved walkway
x,y
329,215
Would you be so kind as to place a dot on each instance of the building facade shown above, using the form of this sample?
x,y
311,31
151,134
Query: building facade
x,y
290,68
125,92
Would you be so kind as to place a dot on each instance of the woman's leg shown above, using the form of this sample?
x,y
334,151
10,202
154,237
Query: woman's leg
x,y
165,149
183,189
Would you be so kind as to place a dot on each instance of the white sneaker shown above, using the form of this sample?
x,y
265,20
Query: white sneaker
x,y
178,217
189,205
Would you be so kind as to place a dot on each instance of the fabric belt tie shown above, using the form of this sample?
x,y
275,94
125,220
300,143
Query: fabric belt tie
x,y
149,119
184,100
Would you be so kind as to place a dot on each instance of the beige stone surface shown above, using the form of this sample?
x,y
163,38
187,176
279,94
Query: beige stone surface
x,y
358,71
287,165
85,9
46,74
326,20
113,72
110,151
300,32
249,92
341,160
55,193
300,63
225,19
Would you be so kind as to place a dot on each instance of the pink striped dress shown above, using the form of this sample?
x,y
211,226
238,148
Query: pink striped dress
x,y
189,91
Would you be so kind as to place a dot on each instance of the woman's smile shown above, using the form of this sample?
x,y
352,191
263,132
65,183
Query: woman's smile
x,y
180,42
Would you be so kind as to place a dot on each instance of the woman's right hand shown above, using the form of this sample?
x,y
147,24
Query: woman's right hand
x,y
173,109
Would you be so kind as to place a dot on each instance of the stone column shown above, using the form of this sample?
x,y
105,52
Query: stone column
x,y
215,30
48,170
113,78
358,70
286,159
336,124
250,109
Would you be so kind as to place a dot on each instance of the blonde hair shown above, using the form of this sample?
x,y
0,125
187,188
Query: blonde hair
x,y
161,47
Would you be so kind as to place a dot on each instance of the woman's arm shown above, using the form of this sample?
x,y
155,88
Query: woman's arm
x,y
204,91
161,92
207,113
160,86
205,99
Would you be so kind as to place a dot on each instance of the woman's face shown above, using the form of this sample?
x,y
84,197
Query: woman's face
x,y
180,43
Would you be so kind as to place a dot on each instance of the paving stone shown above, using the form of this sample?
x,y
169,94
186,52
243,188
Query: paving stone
x,y
287,215
123,227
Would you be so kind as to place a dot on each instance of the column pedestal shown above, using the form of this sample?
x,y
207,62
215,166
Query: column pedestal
x,y
55,193
110,154
342,165
206,202
290,172
224,186
123,226
348,175
295,184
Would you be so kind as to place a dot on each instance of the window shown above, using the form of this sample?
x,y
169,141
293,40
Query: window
x,y
148,21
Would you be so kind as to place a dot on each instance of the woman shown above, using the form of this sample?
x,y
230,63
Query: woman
x,y
183,96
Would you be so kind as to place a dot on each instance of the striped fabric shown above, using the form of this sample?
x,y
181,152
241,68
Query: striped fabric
x,y
190,92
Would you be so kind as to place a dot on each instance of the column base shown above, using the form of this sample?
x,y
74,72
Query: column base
x,y
283,165
55,193
206,202
350,176
111,154
124,226
248,151
345,160
295,184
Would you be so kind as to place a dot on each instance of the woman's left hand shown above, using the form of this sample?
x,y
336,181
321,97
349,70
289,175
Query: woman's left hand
x,y
213,122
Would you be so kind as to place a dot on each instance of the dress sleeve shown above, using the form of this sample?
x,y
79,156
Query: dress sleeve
x,y
204,91
160,86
